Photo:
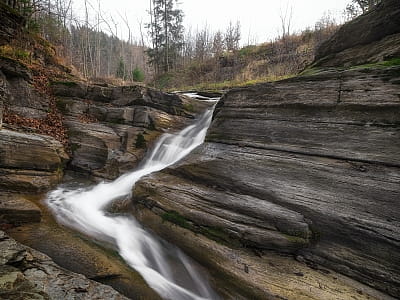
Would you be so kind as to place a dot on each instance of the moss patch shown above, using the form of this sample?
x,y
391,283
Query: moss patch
x,y
217,234
176,218
140,141
189,107
310,71
296,240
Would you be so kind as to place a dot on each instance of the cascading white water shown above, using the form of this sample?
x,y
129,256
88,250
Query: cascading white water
x,y
84,210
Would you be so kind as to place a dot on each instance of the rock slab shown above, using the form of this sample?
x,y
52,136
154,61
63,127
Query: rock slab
x,y
307,166
28,274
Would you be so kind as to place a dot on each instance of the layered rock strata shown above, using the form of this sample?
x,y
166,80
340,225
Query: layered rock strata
x,y
111,127
307,166
29,162
370,38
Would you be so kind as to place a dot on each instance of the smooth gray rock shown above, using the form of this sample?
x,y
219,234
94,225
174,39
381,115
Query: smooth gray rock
x,y
308,166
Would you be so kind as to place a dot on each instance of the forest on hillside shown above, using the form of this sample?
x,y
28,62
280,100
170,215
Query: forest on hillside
x,y
166,54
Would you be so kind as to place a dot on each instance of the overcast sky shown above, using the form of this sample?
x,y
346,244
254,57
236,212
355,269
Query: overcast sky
x,y
259,19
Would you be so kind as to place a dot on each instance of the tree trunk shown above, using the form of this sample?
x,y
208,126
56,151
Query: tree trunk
x,y
166,36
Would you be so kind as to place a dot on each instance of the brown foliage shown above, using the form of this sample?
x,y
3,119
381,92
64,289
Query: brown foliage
x,y
44,67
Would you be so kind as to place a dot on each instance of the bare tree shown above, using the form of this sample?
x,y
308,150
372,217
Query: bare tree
x,y
232,36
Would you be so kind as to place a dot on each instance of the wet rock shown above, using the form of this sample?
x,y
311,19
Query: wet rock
x,y
239,274
25,272
30,151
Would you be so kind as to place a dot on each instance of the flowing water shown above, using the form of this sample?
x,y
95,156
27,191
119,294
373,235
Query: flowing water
x,y
84,209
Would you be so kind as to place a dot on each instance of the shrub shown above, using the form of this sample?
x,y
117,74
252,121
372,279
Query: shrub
x,y
140,141
137,74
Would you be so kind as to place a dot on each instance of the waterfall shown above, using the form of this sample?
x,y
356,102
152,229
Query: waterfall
x,y
84,209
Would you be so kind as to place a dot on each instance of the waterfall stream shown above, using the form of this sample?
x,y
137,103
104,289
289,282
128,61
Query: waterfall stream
x,y
84,209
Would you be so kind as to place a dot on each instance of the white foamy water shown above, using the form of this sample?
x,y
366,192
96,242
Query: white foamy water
x,y
84,209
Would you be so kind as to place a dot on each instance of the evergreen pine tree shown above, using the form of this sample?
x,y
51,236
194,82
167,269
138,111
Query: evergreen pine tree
x,y
166,32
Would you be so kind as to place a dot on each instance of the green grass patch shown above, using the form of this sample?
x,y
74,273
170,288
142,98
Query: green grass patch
x,y
391,62
224,85
15,53
386,63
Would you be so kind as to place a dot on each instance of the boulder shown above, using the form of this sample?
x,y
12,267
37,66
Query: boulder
x,y
25,272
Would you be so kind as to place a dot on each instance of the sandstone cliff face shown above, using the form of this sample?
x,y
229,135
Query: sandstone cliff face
x,y
372,37
29,162
308,166
106,123
10,24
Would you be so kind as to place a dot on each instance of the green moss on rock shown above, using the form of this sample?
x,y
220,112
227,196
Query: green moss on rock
x,y
140,141
176,218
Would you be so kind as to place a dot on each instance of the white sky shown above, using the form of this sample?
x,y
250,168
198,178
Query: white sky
x,y
259,19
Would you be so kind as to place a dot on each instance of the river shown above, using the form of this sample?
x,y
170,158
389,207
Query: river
x,y
164,267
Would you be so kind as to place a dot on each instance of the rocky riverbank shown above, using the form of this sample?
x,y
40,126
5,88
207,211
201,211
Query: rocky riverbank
x,y
301,172
50,125
294,195
28,274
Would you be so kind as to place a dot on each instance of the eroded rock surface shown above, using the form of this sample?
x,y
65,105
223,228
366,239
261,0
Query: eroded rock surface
x,y
10,24
370,38
29,162
111,127
28,274
307,166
